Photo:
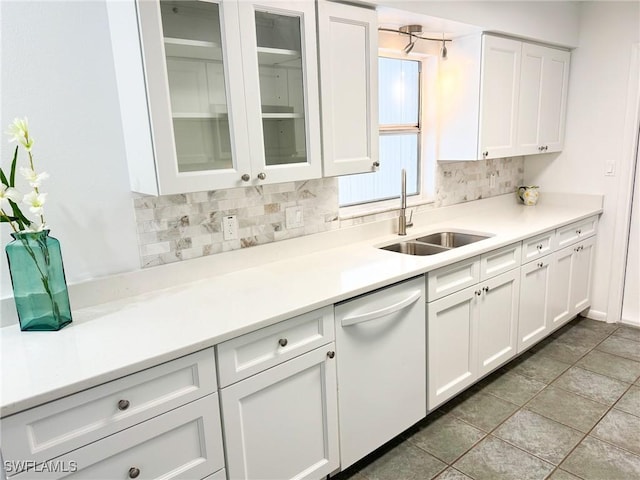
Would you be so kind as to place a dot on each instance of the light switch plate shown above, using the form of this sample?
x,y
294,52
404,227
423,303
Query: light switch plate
x,y
294,217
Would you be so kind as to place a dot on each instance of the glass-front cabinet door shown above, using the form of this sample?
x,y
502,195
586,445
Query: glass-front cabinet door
x,y
281,86
196,102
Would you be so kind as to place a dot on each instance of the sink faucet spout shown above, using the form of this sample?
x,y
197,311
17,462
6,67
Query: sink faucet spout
x,y
402,219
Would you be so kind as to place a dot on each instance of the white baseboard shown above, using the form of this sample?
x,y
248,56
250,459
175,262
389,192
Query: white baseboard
x,y
634,322
595,315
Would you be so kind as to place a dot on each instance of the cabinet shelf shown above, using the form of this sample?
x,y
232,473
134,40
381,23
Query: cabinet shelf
x,y
198,115
198,49
280,116
279,57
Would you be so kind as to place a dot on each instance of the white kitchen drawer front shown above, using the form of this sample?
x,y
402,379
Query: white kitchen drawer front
x,y
254,352
538,246
576,231
185,443
499,261
446,280
58,427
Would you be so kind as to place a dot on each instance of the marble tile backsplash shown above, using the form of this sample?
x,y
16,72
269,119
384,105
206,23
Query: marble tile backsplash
x,y
179,227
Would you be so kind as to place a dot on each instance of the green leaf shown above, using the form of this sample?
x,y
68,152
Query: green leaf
x,y
3,178
12,177
8,219
20,218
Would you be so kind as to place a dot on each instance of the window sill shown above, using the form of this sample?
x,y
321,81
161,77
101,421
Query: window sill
x,y
357,211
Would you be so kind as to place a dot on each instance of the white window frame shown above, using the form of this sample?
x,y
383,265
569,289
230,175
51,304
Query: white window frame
x,y
427,167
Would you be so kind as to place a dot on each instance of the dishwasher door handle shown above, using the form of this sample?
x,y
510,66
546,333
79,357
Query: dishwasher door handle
x,y
365,317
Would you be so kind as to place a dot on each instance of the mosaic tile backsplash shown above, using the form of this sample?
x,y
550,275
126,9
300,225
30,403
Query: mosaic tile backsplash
x,y
179,227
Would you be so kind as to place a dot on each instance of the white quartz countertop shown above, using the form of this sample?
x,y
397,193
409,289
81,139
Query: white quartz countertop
x,y
113,339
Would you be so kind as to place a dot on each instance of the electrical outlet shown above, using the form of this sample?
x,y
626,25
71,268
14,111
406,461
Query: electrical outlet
x,y
294,217
609,169
230,227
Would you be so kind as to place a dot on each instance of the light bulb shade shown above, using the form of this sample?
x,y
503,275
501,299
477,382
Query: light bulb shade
x,y
409,47
443,51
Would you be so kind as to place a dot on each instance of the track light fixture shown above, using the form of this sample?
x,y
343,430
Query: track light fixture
x,y
414,32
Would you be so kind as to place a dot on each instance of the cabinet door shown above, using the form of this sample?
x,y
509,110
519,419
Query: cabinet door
x,y
197,113
553,99
533,320
581,273
348,43
498,320
283,423
499,97
281,88
451,345
543,98
560,310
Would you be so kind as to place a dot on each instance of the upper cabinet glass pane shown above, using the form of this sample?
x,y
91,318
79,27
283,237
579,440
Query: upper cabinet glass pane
x,y
399,85
281,88
195,70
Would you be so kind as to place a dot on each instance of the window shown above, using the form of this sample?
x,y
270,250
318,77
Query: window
x,y
400,136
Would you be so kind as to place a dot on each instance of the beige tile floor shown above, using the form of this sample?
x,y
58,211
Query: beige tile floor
x,y
567,409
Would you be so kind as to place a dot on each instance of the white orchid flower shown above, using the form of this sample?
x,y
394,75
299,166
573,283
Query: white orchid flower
x,y
35,201
19,132
34,179
37,228
6,194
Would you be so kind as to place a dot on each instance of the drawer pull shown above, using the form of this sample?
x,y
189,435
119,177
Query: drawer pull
x,y
123,404
283,342
134,472
478,292
331,354
486,289
539,247
540,264
578,232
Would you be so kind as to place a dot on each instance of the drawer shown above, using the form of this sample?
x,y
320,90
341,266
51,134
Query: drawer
x,y
450,279
254,352
538,246
185,443
219,475
499,261
55,428
576,231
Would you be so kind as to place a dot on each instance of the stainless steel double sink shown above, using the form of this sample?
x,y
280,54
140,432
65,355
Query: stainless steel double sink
x,y
434,243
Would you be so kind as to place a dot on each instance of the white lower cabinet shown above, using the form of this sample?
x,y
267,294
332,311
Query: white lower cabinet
x,y
470,333
534,320
581,275
282,423
184,443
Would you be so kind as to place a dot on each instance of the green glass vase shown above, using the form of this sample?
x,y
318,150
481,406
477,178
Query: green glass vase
x,y
39,284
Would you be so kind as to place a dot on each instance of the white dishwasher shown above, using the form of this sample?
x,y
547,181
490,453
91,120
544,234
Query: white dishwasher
x,y
381,353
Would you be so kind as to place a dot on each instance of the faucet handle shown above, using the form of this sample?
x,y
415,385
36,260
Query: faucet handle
x,y
410,222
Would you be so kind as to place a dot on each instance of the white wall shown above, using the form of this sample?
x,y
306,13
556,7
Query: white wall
x,y
631,305
598,124
57,70
553,22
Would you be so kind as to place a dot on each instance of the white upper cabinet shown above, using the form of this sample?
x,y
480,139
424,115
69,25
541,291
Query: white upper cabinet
x,y
501,97
227,95
499,91
279,57
543,99
348,42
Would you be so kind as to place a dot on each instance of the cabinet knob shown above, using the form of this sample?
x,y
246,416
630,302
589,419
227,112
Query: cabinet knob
x,y
546,147
540,148
539,247
331,354
283,342
134,472
245,177
478,292
578,232
123,404
376,164
486,289
262,176
541,264
485,154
